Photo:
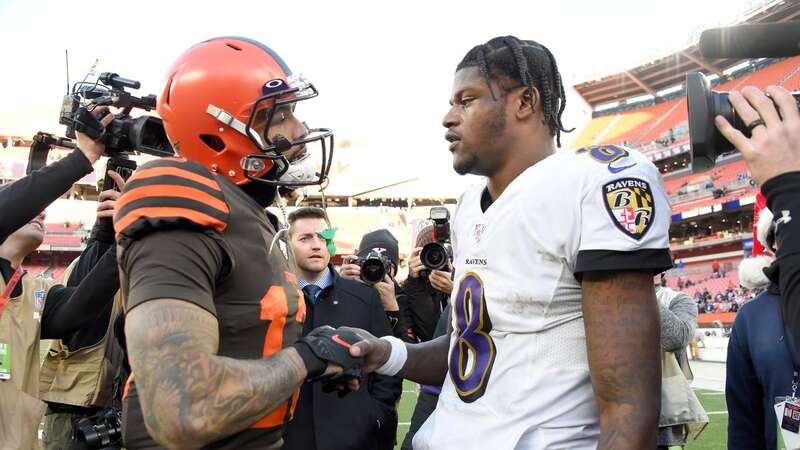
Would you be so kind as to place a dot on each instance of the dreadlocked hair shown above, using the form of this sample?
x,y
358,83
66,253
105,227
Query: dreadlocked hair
x,y
527,63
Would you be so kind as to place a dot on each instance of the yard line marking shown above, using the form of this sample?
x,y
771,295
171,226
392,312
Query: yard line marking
x,y
714,413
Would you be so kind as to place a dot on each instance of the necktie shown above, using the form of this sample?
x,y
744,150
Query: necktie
x,y
311,291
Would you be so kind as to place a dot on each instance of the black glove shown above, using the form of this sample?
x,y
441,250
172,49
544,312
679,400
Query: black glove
x,y
327,345
87,123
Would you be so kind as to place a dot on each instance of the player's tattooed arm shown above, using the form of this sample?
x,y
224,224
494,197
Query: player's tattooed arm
x,y
622,332
189,395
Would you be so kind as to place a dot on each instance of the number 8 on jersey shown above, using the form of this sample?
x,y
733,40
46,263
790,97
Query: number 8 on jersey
x,y
472,355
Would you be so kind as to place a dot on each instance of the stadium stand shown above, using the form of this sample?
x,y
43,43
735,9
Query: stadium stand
x,y
670,119
711,211
593,131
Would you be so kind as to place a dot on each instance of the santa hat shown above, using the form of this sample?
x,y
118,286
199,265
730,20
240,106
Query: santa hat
x,y
751,270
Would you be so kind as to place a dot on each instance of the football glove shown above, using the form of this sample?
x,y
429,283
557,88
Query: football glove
x,y
327,345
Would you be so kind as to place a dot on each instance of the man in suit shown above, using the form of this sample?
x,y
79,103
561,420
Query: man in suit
x,y
365,419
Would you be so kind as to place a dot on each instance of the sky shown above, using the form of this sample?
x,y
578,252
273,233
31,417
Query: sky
x,y
384,70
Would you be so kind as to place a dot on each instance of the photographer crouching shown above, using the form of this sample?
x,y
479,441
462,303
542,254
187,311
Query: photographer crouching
x,y
32,309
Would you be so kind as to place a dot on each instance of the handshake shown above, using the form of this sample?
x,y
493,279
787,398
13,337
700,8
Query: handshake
x,y
328,354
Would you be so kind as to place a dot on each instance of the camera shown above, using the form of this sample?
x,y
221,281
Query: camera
x,y
436,255
706,142
374,267
120,164
101,431
125,133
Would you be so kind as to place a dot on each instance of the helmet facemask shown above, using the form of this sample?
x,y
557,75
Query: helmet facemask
x,y
278,96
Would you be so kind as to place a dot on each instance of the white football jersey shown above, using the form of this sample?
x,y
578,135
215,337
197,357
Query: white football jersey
x,y
518,371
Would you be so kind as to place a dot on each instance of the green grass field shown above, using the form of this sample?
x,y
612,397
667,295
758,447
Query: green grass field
x,y
714,437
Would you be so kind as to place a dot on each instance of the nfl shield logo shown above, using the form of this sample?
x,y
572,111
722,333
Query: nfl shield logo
x,y
477,232
629,202
38,300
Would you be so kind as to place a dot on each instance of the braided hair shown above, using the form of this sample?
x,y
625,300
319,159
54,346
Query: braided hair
x,y
527,63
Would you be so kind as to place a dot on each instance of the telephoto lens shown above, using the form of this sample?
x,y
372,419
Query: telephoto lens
x,y
434,256
374,267
707,143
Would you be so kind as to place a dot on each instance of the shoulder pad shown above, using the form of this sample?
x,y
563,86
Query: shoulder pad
x,y
171,193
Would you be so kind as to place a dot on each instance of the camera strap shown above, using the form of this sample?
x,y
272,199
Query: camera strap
x,y
12,283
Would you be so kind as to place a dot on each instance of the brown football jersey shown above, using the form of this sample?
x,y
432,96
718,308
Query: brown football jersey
x,y
185,233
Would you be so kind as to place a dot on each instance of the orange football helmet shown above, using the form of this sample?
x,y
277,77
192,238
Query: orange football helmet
x,y
213,94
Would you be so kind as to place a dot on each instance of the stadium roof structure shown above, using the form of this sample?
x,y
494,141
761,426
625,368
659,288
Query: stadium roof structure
x,y
670,71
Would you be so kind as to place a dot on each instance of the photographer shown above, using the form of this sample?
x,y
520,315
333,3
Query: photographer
x,y
427,291
33,309
383,245
82,372
772,153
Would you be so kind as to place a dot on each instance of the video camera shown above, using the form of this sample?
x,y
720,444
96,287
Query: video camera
x,y
742,41
706,141
374,267
101,431
437,254
125,133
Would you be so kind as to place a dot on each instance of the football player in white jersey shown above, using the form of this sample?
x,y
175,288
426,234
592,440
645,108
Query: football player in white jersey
x,y
555,335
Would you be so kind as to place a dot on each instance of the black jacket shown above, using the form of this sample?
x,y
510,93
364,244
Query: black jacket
x,y
759,368
365,419
424,305
783,200
400,321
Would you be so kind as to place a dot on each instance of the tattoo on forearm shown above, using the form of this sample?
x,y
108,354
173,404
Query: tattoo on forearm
x,y
189,395
622,331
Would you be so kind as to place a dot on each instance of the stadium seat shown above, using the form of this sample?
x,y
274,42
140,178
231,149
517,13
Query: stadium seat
x,y
676,114
592,131
652,118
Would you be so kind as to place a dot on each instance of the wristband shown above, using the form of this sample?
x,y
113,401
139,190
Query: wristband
x,y
397,357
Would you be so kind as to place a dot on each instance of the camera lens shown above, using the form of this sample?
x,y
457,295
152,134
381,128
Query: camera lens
x,y
372,271
706,142
434,256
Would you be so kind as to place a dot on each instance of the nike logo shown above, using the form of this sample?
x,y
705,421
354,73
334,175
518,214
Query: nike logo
x,y
340,341
619,169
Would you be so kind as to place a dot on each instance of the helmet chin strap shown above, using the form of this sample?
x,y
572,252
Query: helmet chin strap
x,y
301,170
